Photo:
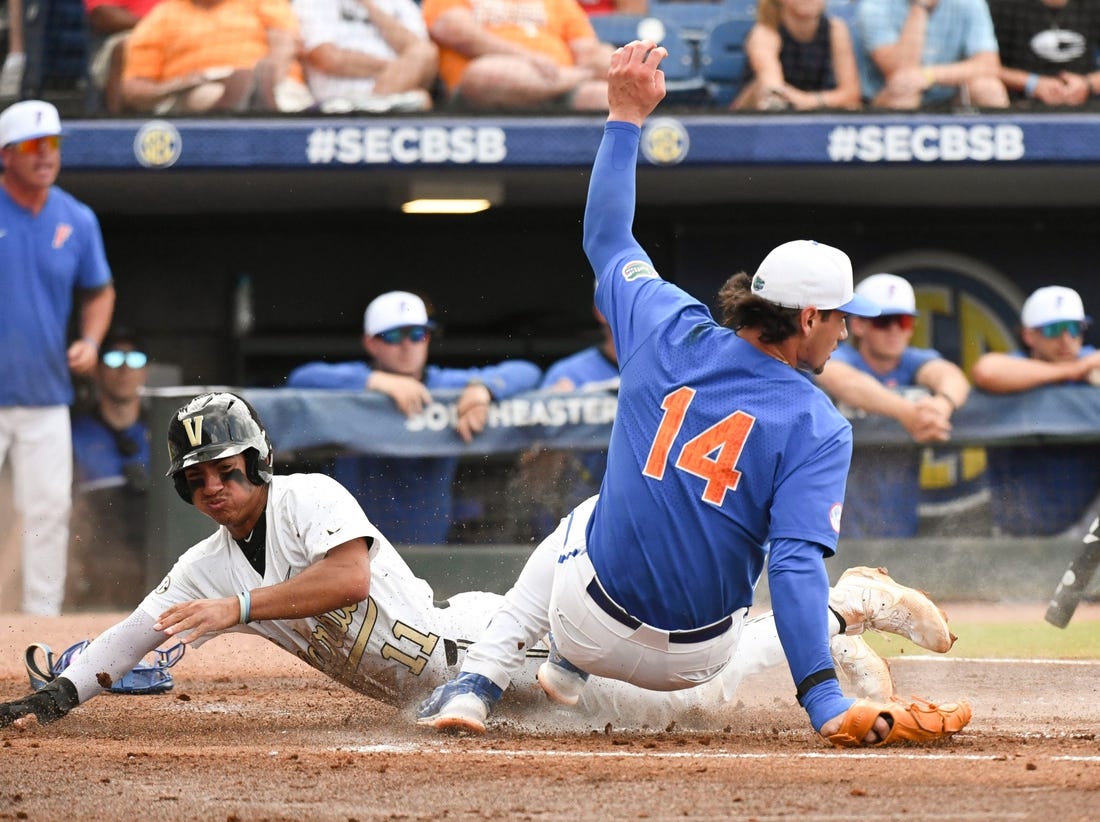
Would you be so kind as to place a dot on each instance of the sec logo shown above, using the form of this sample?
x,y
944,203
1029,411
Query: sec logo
x,y
158,144
665,141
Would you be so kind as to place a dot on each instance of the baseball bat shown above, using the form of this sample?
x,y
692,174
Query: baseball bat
x,y
1075,580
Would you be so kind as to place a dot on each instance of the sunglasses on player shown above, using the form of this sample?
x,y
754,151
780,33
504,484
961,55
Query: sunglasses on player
x,y
34,145
905,321
1053,331
131,359
412,333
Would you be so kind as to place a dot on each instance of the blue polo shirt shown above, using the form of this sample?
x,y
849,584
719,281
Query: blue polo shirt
x,y
43,258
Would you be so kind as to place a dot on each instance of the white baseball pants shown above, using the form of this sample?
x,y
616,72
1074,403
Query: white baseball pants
x,y
39,442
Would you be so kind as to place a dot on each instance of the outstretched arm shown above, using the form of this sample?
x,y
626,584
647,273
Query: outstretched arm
x,y
635,85
340,579
113,653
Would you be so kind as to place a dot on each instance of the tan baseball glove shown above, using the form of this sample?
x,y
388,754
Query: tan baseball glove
x,y
917,721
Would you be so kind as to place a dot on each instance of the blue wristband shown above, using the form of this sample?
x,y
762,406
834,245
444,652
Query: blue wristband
x,y
244,598
1031,84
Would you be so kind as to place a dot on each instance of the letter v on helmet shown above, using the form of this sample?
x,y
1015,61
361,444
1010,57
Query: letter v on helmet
x,y
193,426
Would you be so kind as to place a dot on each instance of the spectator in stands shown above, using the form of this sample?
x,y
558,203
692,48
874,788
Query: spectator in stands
x,y
52,259
554,481
929,53
110,23
411,497
367,55
1043,491
189,56
15,58
111,475
1048,49
871,374
519,55
798,58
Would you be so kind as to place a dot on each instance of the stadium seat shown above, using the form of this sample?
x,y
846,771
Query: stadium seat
x,y
684,84
693,17
616,29
723,59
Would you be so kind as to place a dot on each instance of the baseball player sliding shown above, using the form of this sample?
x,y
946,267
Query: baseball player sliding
x,y
723,457
296,560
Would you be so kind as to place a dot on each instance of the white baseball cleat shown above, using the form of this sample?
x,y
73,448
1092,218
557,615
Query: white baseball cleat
x,y
560,679
560,684
867,672
869,598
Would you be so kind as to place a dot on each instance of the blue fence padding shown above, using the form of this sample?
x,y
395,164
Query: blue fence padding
x,y
299,420
828,139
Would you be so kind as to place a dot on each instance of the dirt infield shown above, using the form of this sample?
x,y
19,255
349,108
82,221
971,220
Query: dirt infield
x,y
250,733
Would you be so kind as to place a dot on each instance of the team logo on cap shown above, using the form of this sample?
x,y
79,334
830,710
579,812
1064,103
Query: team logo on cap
x,y
665,141
638,270
158,144
757,283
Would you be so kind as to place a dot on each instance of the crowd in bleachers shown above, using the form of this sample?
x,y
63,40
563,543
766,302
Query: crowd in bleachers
x,y
117,57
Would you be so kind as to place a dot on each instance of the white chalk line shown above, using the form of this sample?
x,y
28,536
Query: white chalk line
x,y
420,749
992,661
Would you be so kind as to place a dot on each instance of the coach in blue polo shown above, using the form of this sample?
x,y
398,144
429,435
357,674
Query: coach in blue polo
x,y
51,258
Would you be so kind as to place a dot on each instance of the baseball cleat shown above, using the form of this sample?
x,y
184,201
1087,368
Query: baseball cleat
x,y
459,705
560,679
867,672
869,598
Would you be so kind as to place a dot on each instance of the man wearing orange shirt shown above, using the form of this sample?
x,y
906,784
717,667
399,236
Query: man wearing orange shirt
x,y
515,54
197,55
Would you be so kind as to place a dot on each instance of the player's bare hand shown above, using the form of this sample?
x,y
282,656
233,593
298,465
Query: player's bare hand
x,y
473,411
409,394
82,357
188,621
635,83
877,733
928,421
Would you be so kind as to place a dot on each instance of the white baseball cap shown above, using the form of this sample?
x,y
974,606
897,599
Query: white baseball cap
x,y
28,119
1051,304
395,309
806,273
891,293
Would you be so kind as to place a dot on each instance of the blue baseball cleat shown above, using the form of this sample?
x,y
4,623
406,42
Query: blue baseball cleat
x,y
460,705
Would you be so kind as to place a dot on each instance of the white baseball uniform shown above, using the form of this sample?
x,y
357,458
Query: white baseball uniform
x,y
396,646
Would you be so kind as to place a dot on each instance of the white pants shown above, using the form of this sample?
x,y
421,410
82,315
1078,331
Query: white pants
x,y
39,441
550,595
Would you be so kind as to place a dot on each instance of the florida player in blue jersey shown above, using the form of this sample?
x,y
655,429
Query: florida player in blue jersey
x,y
723,457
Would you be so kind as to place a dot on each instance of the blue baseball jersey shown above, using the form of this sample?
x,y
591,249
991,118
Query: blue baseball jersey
x,y
98,458
884,483
1042,490
717,449
583,473
410,500
43,258
905,374
587,366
